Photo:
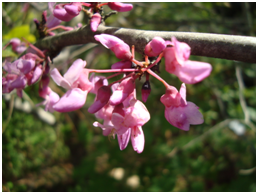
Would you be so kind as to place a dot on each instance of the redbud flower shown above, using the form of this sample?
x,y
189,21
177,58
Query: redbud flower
x,y
17,45
176,62
101,100
119,47
51,98
125,88
95,21
97,82
76,81
120,7
155,47
68,12
178,112
52,21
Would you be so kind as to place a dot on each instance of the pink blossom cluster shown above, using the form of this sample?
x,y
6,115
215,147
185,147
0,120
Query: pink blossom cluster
x,y
26,70
115,103
123,115
68,11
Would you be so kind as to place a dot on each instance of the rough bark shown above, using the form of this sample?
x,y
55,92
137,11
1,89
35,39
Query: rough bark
x,y
238,48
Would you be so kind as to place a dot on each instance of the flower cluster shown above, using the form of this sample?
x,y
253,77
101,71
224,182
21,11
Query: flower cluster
x,y
68,11
116,103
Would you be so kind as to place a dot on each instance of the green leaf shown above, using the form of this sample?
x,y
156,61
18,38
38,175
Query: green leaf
x,y
19,32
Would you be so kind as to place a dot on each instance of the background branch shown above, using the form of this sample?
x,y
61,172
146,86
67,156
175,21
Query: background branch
x,y
239,48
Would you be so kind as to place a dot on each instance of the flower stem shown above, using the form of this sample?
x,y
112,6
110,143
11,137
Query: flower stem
x,y
157,60
112,70
113,75
60,26
159,78
34,48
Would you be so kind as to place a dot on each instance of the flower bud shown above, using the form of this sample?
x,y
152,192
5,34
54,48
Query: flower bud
x,y
146,89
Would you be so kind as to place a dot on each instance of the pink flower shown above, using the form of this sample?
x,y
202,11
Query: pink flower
x,y
52,21
176,62
155,47
20,72
125,121
101,100
178,111
97,82
120,7
95,21
76,81
51,98
119,47
17,45
68,12
125,88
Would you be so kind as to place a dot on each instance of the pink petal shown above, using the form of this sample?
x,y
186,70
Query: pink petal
x,y
182,50
136,115
137,139
52,21
120,7
62,15
176,116
125,88
182,92
20,49
73,10
194,71
105,112
83,81
124,139
20,82
52,99
155,47
106,128
194,116
97,82
12,67
56,76
107,40
72,100
171,64
102,99
25,66
95,21
119,47
171,97
117,121
74,71
36,74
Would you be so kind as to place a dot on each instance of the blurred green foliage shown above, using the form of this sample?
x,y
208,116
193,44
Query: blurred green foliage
x,y
72,155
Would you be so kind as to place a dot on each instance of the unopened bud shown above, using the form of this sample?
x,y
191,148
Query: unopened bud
x,y
146,90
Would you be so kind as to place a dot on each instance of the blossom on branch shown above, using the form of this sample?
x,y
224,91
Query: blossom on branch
x,y
75,80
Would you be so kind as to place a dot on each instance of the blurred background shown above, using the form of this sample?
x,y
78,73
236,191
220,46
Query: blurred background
x,y
64,152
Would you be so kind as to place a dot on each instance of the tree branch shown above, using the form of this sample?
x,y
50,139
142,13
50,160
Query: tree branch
x,y
239,48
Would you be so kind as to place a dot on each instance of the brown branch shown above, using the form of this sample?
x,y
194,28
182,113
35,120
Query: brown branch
x,y
239,48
